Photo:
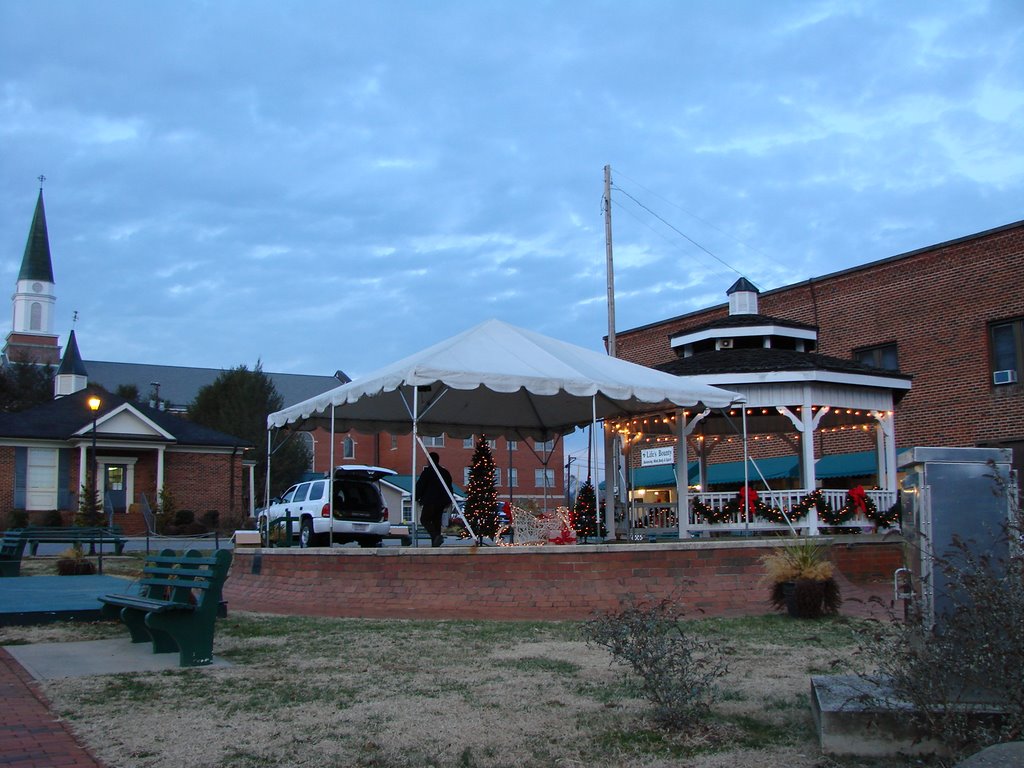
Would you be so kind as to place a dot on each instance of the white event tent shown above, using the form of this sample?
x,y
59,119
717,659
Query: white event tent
x,y
497,379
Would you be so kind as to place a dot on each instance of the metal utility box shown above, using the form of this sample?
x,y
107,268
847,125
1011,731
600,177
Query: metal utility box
x,y
948,493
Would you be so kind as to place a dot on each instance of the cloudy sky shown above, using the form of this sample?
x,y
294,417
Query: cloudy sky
x,y
325,185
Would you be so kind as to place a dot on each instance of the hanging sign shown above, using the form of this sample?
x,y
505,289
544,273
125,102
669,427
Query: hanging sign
x,y
652,457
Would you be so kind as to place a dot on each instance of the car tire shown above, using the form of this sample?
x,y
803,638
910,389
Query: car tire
x,y
308,537
370,542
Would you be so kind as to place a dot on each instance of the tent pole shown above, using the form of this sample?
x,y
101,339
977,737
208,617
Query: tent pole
x,y
330,478
746,469
412,483
266,489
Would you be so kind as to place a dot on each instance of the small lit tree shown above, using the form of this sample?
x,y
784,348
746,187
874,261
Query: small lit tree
x,y
584,511
90,510
481,495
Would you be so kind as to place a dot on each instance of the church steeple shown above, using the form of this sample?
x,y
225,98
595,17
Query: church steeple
x,y
71,376
36,264
32,338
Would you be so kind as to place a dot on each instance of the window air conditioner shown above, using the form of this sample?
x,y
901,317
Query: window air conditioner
x,y
725,343
1008,376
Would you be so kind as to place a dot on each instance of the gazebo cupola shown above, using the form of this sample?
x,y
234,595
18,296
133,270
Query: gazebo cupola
x,y
744,328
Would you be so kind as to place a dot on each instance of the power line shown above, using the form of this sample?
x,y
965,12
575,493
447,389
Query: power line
x,y
682,234
693,215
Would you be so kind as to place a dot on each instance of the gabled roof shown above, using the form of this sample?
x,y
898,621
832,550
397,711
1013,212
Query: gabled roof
x,y
64,418
179,384
36,264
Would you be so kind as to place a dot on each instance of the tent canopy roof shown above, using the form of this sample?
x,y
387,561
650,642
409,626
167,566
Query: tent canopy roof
x,y
497,379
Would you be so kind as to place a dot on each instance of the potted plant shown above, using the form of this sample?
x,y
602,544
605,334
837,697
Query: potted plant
x,y
802,579
71,562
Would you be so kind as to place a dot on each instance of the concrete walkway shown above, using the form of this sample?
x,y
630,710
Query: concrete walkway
x,y
30,736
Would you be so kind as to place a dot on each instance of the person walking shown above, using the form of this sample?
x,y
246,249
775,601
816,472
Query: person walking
x,y
434,493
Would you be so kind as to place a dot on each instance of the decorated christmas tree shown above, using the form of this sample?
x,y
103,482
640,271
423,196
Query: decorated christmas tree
x,y
481,495
584,511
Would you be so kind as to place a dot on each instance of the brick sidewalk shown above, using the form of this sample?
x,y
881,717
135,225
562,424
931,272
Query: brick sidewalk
x,y
30,735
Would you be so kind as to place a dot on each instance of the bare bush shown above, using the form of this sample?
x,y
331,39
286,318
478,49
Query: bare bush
x,y
676,670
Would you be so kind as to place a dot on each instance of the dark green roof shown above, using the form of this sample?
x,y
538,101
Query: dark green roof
x,y
71,363
36,265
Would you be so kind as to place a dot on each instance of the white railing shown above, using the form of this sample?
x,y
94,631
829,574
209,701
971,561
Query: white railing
x,y
660,519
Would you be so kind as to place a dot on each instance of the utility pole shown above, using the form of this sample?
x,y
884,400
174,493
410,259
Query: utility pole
x,y
608,257
610,446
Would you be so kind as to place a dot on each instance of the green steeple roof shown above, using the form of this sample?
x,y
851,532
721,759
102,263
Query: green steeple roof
x,y
36,265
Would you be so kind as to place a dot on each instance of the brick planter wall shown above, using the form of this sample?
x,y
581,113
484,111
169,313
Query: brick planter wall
x,y
541,583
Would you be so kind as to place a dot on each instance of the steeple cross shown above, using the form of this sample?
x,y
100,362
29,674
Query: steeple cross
x,y
41,180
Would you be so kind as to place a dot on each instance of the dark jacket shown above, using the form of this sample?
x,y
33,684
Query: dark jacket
x,y
430,490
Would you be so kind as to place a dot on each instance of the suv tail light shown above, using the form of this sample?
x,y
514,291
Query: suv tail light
x,y
383,514
325,511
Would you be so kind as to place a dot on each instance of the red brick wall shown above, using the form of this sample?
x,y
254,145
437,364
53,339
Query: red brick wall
x,y
936,304
204,481
710,579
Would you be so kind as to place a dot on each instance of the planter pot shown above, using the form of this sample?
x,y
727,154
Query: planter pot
x,y
70,567
810,599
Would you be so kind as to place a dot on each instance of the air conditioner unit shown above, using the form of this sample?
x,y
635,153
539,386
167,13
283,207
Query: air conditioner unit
x,y
725,343
1004,377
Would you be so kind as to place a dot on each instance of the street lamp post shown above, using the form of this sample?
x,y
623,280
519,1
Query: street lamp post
x,y
94,406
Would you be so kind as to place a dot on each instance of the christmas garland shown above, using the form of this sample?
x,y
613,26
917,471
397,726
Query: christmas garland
x,y
709,514
815,499
772,514
887,519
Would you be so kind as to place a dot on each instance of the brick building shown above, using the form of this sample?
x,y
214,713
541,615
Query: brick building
x,y
950,315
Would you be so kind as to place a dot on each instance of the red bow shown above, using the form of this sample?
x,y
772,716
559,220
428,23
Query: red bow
x,y
859,498
747,497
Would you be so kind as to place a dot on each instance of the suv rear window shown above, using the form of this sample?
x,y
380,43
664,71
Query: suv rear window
x,y
316,490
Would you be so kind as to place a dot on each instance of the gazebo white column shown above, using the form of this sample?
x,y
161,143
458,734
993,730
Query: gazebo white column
x,y
885,436
806,423
160,472
683,431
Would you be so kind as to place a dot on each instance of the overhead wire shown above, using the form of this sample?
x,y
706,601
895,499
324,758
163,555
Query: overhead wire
x,y
691,214
679,232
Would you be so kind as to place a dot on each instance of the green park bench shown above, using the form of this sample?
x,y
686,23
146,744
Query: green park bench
x,y
11,550
178,604
75,535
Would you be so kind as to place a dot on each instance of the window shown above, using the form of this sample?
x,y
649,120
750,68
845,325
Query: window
x,y
513,477
497,475
470,442
465,477
394,442
348,448
41,481
544,478
300,492
882,356
316,490
544,446
434,442
1007,341
35,313
513,445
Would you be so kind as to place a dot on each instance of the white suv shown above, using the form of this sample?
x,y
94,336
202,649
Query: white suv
x,y
359,512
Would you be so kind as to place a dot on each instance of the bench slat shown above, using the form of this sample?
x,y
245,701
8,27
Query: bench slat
x,y
146,604
177,583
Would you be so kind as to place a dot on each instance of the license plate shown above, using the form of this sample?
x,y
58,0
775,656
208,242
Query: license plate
x,y
360,526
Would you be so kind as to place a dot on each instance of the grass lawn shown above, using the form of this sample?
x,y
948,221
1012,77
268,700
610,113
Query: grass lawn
x,y
390,693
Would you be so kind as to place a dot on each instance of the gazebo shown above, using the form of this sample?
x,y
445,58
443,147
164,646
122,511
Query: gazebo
x,y
791,395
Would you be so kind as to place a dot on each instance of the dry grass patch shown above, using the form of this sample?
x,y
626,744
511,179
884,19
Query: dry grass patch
x,y
396,694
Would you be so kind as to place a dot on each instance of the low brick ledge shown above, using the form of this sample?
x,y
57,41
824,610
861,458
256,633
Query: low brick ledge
x,y
713,578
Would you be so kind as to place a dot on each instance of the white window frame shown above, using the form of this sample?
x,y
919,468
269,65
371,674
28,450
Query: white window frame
x,y
540,475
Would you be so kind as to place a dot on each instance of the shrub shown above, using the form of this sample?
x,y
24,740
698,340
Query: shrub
x,y
211,519
802,580
184,517
166,509
16,518
71,562
676,670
